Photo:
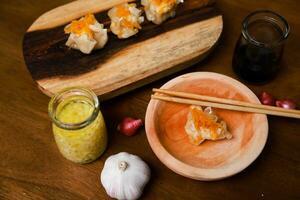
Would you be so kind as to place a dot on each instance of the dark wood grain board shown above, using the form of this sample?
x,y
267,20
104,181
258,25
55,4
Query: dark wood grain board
x,y
54,66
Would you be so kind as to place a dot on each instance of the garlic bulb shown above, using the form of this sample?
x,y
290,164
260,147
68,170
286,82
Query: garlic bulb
x,y
124,176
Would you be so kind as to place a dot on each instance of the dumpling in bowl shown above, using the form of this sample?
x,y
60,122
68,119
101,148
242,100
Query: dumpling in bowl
x,y
126,20
86,34
158,11
205,125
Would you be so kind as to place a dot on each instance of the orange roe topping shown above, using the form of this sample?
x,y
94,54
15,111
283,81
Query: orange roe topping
x,y
130,25
81,26
160,2
122,11
202,120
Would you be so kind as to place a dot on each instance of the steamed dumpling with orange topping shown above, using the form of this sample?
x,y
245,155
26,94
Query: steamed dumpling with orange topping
x,y
158,11
86,34
126,20
205,125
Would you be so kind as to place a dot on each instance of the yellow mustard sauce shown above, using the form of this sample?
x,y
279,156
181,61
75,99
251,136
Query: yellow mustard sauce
x,y
80,145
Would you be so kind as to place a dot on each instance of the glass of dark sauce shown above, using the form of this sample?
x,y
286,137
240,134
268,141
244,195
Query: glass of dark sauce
x,y
259,49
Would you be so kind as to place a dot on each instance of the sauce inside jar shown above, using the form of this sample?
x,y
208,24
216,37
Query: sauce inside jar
x,y
258,63
79,128
259,49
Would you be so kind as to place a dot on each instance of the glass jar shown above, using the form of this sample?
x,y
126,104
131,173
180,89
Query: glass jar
x,y
78,125
259,49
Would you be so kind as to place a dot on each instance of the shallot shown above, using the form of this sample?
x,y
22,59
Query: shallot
x,y
286,103
129,126
267,99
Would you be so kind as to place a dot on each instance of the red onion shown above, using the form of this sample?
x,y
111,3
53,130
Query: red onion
x,y
286,103
267,99
129,126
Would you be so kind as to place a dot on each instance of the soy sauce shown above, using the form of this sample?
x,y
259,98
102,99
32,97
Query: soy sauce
x,y
259,50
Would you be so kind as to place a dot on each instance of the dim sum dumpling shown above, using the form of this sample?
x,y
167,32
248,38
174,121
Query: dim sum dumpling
x,y
86,34
205,125
125,20
158,11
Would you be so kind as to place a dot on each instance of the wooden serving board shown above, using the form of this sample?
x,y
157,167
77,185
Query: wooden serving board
x,y
122,65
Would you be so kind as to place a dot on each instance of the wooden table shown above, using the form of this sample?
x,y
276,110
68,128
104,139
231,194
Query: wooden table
x,y
32,168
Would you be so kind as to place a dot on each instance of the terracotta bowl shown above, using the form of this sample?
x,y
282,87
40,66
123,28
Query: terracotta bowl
x,y
211,160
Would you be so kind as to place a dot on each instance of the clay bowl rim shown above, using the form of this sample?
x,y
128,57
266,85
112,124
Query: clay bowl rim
x,y
198,173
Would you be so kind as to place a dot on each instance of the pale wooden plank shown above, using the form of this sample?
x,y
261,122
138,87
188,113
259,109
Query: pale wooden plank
x,y
183,46
66,13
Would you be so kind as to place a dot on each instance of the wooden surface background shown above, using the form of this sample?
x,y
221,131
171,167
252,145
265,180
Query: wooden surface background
x,y
32,168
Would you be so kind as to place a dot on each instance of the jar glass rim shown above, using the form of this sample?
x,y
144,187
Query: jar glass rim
x,y
247,36
73,126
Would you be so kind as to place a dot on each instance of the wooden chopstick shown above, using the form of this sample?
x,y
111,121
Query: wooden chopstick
x,y
222,100
225,106
282,112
